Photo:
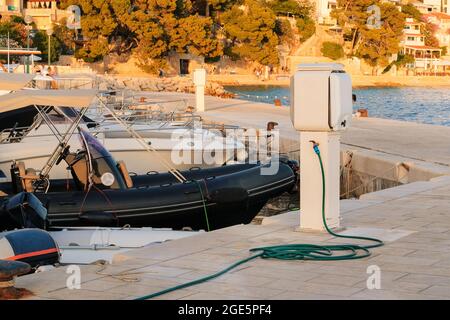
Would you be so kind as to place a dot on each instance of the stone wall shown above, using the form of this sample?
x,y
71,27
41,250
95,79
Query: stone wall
x,y
168,84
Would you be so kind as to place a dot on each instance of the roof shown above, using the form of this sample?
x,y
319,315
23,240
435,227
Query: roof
x,y
423,48
439,15
56,98
14,81
414,34
16,52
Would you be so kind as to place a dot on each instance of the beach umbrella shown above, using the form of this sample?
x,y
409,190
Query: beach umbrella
x,y
35,58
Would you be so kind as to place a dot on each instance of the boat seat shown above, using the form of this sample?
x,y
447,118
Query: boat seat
x,y
27,176
126,175
79,170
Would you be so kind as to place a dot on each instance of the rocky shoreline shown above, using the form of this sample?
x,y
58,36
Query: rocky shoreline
x,y
172,84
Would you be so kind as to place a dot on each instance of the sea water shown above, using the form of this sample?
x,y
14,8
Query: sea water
x,y
417,104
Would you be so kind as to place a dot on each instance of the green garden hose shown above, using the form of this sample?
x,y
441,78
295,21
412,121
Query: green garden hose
x,y
294,251
205,211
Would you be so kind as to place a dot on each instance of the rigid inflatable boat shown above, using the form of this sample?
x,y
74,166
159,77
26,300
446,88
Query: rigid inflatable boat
x,y
103,193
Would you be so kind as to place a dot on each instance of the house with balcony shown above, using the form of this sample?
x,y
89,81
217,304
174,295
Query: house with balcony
x,y
427,6
11,7
43,13
413,43
442,23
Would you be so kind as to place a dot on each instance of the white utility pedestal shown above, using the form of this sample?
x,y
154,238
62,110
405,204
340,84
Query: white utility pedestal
x,y
200,82
311,180
321,107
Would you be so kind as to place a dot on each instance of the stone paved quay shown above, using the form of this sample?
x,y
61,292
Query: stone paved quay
x,y
413,220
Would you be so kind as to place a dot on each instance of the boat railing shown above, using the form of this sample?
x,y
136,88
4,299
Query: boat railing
x,y
13,135
63,83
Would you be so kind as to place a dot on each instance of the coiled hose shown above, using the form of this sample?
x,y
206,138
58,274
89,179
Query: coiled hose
x,y
294,251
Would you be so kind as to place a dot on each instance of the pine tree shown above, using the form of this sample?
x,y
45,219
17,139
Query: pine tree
x,y
374,44
251,29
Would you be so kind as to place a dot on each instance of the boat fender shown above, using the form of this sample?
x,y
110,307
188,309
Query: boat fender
x,y
98,218
229,195
33,246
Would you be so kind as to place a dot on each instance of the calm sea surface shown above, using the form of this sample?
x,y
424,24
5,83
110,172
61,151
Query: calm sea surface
x,y
425,105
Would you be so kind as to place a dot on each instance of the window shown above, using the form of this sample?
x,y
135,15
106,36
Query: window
x,y
410,38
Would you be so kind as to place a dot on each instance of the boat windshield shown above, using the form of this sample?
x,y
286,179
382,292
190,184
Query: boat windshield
x,y
104,167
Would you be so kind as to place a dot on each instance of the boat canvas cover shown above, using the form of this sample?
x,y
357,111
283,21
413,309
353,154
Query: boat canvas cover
x,y
55,98
14,81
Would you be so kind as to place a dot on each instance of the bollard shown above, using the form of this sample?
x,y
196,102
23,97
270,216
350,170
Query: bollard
x,y
277,102
8,271
363,113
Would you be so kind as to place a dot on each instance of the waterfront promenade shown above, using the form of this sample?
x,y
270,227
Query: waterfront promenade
x,y
413,220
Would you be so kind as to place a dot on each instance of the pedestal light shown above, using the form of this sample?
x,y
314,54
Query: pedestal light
x,y
49,33
28,20
321,107
199,82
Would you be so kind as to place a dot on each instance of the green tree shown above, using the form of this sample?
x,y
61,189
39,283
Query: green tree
x,y
332,50
411,12
251,29
40,40
302,12
99,25
378,45
428,29
403,60
151,29
284,32
352,16
306,28
65,36
374,45
16,29
193,34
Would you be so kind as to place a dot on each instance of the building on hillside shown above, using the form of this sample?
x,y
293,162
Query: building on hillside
x,y
43,13
445,6
323,11
442,23
427,6
11,7
426,58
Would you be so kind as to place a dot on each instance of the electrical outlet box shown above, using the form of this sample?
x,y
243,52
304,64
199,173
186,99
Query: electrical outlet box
x,y
321,97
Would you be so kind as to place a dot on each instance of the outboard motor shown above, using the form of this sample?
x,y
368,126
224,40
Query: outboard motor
x,y
24,210
33,246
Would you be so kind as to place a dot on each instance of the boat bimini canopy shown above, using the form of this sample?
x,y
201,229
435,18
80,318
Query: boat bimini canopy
x,y
43,100
79,99
14,81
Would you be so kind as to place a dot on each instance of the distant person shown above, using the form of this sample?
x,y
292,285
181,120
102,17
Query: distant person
x,y
3,68
52,74
44,71
38,69
51,71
